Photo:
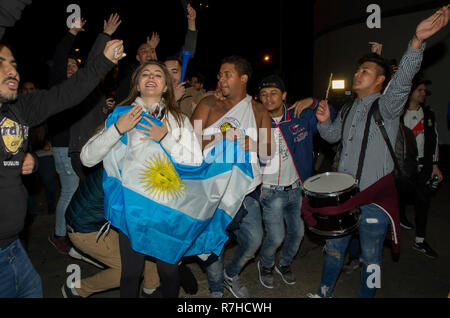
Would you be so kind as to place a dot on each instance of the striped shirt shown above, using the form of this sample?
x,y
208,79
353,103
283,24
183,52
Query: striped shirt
x,y
378,161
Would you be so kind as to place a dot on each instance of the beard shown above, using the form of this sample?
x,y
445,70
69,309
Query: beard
x,y
6,98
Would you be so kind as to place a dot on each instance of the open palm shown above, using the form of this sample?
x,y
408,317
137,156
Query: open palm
x,y
433,24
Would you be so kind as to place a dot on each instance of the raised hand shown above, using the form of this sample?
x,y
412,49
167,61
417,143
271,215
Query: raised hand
x,y
114,50
110,26
77,26
154,40
376,47
432,25
191,16
323,112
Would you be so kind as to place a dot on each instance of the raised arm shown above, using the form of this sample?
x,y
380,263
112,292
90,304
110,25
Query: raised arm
x,y
58,69
109,28
72,91
395,97
190,41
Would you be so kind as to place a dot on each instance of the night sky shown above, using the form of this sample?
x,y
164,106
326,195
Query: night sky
x,y
282,29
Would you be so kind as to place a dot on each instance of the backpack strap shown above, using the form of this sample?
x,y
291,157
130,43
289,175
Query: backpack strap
x,y
380,123
362,153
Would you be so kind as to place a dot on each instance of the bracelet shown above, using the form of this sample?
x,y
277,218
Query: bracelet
x,y
118,130
163,137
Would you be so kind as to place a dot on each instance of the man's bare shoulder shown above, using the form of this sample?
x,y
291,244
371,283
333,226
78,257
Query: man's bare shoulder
x,y
209,101
204,106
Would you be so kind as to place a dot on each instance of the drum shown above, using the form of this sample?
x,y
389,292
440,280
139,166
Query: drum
x,y
332,189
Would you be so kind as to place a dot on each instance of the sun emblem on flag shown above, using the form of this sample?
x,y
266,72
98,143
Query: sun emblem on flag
x,y
225,127
160,179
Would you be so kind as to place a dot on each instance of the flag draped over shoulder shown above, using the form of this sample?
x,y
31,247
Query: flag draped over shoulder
x,y
169,210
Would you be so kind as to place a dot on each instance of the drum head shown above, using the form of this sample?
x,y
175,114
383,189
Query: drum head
x,y
329,182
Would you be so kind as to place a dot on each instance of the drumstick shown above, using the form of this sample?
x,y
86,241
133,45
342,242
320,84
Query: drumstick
x,y
448,6
329,86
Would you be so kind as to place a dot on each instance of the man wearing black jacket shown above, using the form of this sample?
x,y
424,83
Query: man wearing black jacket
x,y
421,120
72,128
18,277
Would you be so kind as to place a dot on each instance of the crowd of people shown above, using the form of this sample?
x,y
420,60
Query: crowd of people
x,y
96,120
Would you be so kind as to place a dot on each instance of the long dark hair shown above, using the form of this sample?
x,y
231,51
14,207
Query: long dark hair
x,y
169,95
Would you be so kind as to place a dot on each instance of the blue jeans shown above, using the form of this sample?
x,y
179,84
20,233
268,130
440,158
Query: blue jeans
x,y
280,207
372,232
18,278
249,236
69,184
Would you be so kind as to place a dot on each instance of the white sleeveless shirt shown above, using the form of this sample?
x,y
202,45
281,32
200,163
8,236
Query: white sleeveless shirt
x,y
241,117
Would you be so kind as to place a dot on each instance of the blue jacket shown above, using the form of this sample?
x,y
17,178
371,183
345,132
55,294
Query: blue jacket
x,y
298,134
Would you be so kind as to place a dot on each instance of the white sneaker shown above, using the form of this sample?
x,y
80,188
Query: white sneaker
x,y
75,254
311,295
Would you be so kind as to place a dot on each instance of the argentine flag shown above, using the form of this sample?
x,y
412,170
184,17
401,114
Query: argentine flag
x,y
170,210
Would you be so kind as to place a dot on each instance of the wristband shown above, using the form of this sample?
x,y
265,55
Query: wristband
x,y
118,130
163,137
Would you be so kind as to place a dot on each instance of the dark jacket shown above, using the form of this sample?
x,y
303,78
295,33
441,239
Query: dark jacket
x,y
298,134
60,126
85,213
15,120
90,113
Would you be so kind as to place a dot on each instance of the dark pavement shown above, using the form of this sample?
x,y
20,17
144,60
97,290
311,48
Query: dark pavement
x,y
413,276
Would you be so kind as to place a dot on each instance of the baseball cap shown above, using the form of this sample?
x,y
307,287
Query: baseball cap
x,y
272,81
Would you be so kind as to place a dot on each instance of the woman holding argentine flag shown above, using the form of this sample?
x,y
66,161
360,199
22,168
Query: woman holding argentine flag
x,y
139,146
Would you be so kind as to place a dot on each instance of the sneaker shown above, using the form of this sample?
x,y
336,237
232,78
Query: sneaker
x,y
425,249
265,275
60,243
311,295
81,256
157,293
404,223
286,274
234,286
69,292
216,295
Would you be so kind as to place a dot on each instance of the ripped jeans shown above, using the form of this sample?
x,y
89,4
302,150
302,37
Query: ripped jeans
x,y
372,232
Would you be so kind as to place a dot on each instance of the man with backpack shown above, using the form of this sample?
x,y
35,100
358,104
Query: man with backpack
x,y
421,120
378,198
